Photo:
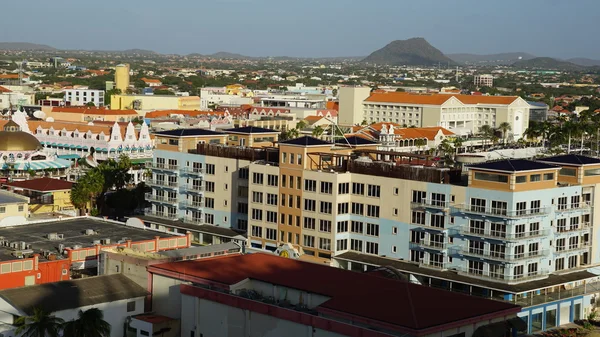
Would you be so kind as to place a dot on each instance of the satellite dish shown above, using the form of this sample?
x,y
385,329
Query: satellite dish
x,y
39,114
49,119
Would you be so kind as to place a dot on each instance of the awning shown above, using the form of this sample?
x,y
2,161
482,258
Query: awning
x,y
40,165
78,147
141,160
68,156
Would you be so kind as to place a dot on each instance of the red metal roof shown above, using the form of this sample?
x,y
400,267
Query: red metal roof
x,y
42,184
361,295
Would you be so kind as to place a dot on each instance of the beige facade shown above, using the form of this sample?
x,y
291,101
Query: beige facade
x,y
351,100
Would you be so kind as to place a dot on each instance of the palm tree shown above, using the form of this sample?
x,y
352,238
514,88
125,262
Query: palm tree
x,y
301,125
504,127
40,324
293,133
486,132
318,131
420,143
90,323
458,144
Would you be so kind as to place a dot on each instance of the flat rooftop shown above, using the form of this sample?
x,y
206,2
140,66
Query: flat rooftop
x,y
74,233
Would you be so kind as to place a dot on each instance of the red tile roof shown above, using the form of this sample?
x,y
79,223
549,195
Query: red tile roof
x,y
11,76
150,80
189,113
403,304
42,184
94,111
437,99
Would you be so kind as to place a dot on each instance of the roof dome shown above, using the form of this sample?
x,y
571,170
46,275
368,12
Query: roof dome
x,y
13,139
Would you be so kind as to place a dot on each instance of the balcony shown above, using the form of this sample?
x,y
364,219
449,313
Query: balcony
x,y
501,275
433,265
163,167
501,236
198,189
162,183
194,220
426,203
192,204
192,171
500,256
161,198
580,206
582,227
430,245
162,215
568,249
501,213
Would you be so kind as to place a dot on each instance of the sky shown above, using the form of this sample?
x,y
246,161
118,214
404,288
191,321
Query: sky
x,y
307,28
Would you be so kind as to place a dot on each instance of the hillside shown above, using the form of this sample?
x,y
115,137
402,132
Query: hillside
x,y
414,52
585,62
24,46
491,59
547,63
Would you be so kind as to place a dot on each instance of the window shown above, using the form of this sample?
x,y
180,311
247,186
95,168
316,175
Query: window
x,y
394,230
326,187
271,234
325,226
521,179
209,203
21,208
341,245
326,207
209,218
418,218
272,180
298,183
257,231
342,208
272,199
373,191
210,186
477,205
436,220
535,206
356,245
242,224
342,226
372,229
343,188
144,333
497,178
272,217
562,203
309,223
567,172
548,176
438,199
358,188
244,173
291,182
372,248
357,208
257,214
257,178
210,169
518,271
283,180
257,197
499,207
130,306
356,227
396,190
419,196
521,207
309,241
310,205
310,185
559,264
324,244
535,178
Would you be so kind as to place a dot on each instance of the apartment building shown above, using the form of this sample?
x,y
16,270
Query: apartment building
x,y
80,97
461,114
483,80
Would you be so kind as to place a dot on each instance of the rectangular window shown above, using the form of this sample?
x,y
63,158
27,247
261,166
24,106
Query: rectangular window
x,y
257,197
342,226
373,191
272,199
567,172
210,169
326,187
358,188
521,179
343,188
372,248
324,244
419,197
356,245
272,217
372,229
257,214
130,306
310,205
257,178
243,173
356,227
326,207
309,223
325,226
210,186
273,180
309,241
310,185
209,203
341,245
418,218
343,208
357,208
496,178
437,220
535,178
271,234
548,176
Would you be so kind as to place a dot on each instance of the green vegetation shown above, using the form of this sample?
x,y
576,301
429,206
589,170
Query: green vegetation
x,y
90,323
40,324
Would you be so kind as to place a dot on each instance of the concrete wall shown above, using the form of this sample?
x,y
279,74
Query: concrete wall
x,y
351,108
166,297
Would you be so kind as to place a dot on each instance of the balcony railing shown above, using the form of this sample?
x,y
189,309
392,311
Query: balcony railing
x,y
162,183
501,256
501,275
196,220
580,246
427,203
502,212
192,204
193,188
163,167
499,235
433,265
585,226
163,215
584,205
430,245
192,171
160,198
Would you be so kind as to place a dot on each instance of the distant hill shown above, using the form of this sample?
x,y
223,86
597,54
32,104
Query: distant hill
x,y
414,52
222,55
584,62
491,59
547,63
139,52
24,46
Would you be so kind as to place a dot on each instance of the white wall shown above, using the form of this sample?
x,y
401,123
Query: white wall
x,y
166,298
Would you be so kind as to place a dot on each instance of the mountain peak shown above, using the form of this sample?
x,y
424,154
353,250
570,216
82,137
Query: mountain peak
x,y
413,51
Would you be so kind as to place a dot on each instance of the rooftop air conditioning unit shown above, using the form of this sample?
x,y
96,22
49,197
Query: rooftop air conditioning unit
x,y
77,247
52,236
96,242
89,232
105,241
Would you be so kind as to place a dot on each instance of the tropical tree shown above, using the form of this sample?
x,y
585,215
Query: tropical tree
x,y
40,324
458,144
90,323
318,131
301,125
504,127
293,133
419,143
486,132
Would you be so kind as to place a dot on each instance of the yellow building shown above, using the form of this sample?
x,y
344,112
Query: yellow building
x,y
12,206
122,77
252,136
90,114
147,103
46,195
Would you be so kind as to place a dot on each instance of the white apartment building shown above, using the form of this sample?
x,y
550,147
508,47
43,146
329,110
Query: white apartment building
x,y
461,114
484,80
81,97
